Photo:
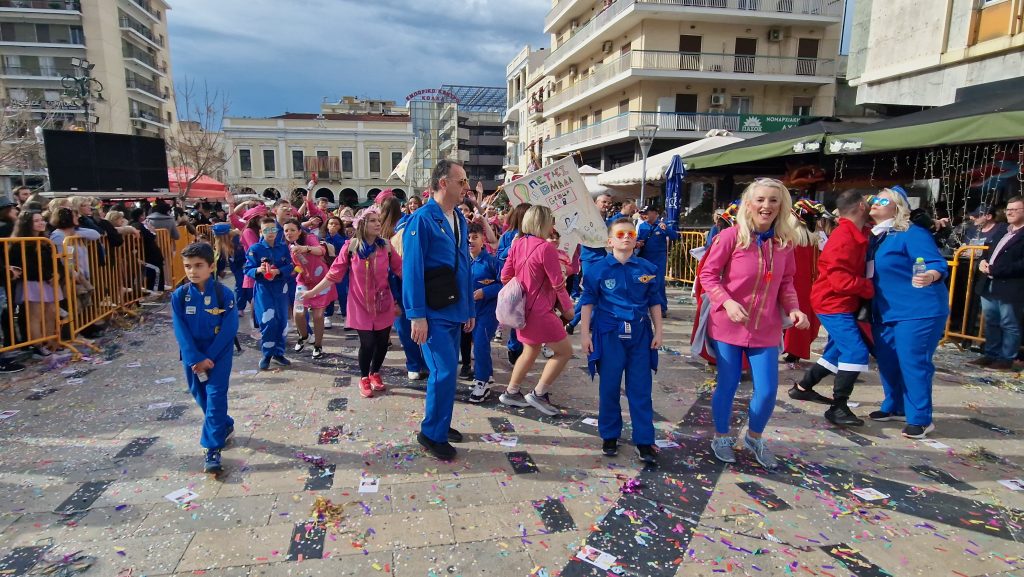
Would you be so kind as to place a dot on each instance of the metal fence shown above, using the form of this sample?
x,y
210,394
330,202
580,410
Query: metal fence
x,y
681,266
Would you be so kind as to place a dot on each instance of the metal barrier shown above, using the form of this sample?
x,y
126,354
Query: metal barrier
x,y
204,232
964,327
170,249
33,258
681,266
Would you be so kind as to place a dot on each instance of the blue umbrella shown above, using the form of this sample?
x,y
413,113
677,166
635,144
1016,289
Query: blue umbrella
x,y
673,191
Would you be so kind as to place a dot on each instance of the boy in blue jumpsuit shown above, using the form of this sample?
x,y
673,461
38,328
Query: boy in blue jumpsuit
x,y
429,243
622,296
270,263
205,325
652,242
486,284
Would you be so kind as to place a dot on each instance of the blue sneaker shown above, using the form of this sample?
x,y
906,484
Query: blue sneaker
x,y
279,359
264,363
213,461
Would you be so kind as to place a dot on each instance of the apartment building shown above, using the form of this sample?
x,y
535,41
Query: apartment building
x,y
921,52
687,66
58,57
351,146
525,126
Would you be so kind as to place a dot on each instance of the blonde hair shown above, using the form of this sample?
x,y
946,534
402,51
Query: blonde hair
x,y
358,240
537,221
115,216
784,233
802,233
902,219
77,201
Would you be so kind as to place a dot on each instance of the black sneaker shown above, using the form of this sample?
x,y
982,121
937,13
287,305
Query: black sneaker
x,y
570,328
882,416
513,356
212,463
466,373
442,451
454,436
647,454
842,415
917,431
811,395
318,352
11,367
279,359
265,363
610,447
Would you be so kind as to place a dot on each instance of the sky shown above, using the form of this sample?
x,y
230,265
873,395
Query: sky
x,y
276,56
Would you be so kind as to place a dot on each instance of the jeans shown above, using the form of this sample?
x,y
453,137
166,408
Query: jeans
x,y
1002,329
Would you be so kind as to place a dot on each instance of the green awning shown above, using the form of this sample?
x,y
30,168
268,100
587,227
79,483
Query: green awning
x,y
806,139
992,118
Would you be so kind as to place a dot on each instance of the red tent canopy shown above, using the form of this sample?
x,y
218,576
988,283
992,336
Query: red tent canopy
x,y
205,187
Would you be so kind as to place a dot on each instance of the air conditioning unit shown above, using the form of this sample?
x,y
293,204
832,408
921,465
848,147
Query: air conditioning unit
x,y
606,47
573,71
718,100
774,35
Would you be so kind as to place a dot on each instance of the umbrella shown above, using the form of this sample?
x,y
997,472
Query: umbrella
x,y
629,176
673,190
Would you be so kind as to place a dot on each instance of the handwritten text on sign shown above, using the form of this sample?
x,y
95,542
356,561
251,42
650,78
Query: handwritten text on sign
x,y
560,187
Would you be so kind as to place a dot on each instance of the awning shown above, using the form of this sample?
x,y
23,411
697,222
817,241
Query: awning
x,y
806,139
992,118
205,187
658,164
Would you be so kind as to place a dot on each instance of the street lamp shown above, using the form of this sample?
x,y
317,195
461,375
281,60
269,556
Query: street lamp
x,y
80,88
645,133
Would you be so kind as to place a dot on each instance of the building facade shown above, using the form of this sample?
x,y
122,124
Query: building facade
x,y
687,66
123,86
351,146
942,46
526,129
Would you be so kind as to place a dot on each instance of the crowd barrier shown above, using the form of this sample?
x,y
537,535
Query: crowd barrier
x,y
681,266
965,322
40,322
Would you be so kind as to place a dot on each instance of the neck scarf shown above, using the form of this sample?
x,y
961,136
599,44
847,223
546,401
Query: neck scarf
x,y
368,248
765,236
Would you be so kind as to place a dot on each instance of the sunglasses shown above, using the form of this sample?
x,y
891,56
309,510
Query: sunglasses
x,y
620,234
268,231
880,202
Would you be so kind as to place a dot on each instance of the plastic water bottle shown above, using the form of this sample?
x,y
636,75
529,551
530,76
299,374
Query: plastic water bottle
x,y
919,268
299,291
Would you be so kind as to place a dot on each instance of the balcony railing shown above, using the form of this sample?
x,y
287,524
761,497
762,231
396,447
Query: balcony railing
x,y
700,62
47,72
143,57
325,167
151,88
574,38
42,5
511,161
146,7
142,31
674,122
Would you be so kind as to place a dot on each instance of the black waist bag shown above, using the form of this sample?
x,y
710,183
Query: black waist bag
x,y
441,287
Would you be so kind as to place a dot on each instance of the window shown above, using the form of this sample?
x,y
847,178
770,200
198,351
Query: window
x,y
375,162
396,157
269,164
597,117
623,106
77,35
739,105
583,121
245,160
322,170
346,161
802,105
298,162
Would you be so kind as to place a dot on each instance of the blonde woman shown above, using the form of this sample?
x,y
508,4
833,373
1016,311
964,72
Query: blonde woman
x,y
748,277
908,311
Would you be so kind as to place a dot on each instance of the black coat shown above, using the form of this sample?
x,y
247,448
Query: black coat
x,y
1006,282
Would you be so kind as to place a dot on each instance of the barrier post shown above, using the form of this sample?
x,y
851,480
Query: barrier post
x,y
957,262
681,266
29,256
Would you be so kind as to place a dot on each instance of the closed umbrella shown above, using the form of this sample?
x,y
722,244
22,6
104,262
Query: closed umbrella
x,y
673,190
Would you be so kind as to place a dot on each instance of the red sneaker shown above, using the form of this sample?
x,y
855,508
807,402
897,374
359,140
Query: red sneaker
x,y
377,383
365,388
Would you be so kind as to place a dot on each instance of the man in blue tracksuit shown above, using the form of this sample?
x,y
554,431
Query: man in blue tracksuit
x,y
436,252
205,324
622,294
486,283
652,241
270,263
589,256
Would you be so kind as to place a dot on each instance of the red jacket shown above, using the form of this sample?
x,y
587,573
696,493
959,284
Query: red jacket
x,y
841,285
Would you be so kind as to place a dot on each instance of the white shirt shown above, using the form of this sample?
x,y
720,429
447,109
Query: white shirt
x,y
883,227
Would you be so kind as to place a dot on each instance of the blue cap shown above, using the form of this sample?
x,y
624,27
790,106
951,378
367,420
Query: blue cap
x,y
221,228
899,190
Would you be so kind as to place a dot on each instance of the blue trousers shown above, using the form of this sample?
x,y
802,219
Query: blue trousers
x,y
242,295
576,314
904,350
441,353
342,300
1002,329
764,366
270,303
414,362
845,349
212,398
292,282
483,333
630,357
513,341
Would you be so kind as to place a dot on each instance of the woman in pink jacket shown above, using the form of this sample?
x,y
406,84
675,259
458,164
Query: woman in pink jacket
x,y
534,261
748,277
310,268
367,258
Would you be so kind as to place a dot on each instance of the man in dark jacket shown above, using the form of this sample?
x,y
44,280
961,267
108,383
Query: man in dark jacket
x,y
1002,297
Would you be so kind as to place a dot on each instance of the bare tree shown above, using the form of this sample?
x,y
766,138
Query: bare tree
x,y
196,146
21,148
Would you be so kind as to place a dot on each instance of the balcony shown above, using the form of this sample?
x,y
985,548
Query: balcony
x,y
133,29
511,163
44,5
39,73
144,7
325,168
144,59
147,88
652,64
511,133
624,14
670,125
147,117
536,111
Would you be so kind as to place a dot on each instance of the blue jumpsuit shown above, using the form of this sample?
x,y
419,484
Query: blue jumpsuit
x,y
414,362
487,277
504,245
237,264
655,249
428,243
270,297
205,325
621,332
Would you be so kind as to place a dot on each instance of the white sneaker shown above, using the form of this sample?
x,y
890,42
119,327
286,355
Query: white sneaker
x,y
327,323
548,353
497,336
479,392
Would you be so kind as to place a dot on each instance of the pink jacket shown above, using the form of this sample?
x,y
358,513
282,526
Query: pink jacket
x,y
371,306
759,278
249,238
535,261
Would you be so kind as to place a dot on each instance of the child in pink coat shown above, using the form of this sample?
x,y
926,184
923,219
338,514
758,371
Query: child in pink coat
x,y
310,268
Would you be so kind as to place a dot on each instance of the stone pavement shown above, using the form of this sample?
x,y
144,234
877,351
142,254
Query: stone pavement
x,y
96,445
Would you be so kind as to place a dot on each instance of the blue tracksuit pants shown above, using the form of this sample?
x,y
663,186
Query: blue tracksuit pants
x,y
483,333
212,398
631,357
441,353
270,303
414,362
764,366
845,349
904,350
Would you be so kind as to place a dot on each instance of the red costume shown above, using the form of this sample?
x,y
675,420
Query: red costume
x,y
797,342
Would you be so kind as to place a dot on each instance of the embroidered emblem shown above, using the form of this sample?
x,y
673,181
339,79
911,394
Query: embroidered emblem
x,y
190,310
216,311
486,281
646,278
207,301
610,284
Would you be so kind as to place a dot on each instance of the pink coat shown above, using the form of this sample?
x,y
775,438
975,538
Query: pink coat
x,y
249,238
310,270
534,261
371,306
730,272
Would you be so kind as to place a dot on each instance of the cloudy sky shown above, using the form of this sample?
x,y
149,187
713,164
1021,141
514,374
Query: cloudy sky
x,y
273,56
